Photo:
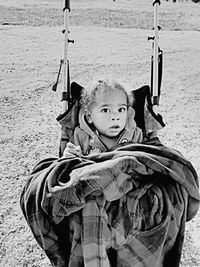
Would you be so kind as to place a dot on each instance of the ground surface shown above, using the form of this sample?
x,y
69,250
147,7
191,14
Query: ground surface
x,y
109,38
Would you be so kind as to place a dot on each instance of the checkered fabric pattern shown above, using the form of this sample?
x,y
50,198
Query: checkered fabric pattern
x,y
123,208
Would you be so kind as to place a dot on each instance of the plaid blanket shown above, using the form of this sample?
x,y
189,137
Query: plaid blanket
x,y
122,208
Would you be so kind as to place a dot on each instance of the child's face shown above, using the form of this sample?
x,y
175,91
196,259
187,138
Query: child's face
x,y
109,112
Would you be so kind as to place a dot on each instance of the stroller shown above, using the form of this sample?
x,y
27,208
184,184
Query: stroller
x,y
126,207
145,98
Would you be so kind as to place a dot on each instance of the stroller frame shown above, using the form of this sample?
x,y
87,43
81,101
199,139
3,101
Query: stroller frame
x,y
55,198
146,98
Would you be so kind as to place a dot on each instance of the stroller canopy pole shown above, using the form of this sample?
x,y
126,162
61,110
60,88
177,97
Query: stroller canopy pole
x,y
155,52
156,71
66,87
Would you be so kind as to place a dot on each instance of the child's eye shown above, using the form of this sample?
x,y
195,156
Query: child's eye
x,y
105,110
122,109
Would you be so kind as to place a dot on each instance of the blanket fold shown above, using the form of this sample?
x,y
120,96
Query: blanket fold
x,y
132,203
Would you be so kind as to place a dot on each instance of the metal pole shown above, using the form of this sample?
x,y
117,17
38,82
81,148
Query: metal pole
x,y
155,56
65,95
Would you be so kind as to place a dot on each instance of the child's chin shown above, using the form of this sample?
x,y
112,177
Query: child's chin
x,y
114,135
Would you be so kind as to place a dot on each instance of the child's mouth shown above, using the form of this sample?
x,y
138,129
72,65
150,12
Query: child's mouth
x,y
115,127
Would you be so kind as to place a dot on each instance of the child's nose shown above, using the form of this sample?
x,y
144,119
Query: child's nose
x,y
115,117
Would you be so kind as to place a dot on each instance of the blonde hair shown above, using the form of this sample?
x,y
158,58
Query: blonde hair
x,y
89,92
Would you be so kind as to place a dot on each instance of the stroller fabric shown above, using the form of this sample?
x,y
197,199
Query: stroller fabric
x,y
143,116
125,208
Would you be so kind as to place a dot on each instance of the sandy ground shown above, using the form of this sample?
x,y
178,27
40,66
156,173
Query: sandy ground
x,y
29,59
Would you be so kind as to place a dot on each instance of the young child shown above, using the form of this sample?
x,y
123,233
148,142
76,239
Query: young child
x,y
106,119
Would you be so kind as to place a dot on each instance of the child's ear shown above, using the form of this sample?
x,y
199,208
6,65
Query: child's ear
x,y
88,117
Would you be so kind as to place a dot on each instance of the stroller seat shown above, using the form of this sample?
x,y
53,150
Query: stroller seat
x,y
125,207
145,117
